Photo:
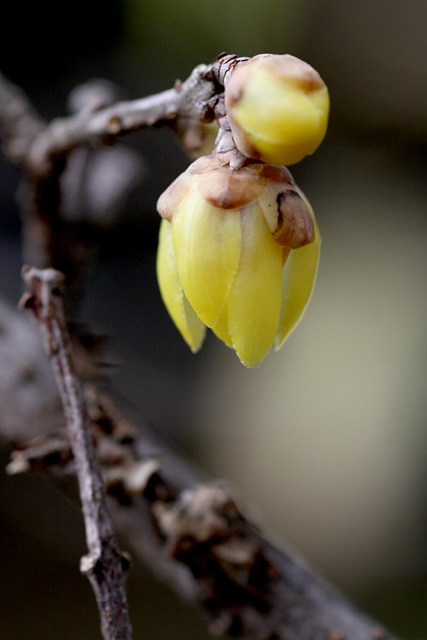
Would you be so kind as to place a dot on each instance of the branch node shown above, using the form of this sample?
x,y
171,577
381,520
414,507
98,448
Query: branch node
x,y
88,563
114,125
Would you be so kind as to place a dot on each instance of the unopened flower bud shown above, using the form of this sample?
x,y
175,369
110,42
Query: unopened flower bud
x,y
278,108
238,253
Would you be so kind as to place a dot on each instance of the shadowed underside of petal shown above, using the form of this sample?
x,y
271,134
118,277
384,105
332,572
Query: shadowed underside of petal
x,y
207,242
298,278
191,327
253,305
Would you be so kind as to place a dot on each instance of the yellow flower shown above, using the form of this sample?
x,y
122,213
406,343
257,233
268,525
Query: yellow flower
x,y
238,253
278,108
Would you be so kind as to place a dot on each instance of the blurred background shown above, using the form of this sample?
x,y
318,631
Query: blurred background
x,y
325,443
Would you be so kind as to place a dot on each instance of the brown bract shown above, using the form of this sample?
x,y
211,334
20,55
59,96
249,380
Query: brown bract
x,y
221,186
286,212
295,226
174,195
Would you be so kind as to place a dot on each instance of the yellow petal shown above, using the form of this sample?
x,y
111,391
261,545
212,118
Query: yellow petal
x,y
253,304
191,327
220,329
298,278
207,242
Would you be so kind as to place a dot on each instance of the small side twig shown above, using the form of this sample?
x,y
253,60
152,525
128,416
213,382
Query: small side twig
x,y
39,148
105,565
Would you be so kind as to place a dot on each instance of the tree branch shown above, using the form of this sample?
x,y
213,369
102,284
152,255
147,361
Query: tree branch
x,y
195,98
187,529
191,98
105,565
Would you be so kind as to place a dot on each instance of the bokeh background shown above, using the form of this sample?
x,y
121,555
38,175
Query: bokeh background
x,y
325,442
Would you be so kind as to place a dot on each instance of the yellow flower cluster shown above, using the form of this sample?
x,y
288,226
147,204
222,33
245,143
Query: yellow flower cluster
x,y
239,248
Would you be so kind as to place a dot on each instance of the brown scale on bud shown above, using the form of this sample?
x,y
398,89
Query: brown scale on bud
x,y
227,189
224,65
295,226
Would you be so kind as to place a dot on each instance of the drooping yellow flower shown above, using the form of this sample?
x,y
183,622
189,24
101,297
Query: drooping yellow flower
x,y
238,253
278,108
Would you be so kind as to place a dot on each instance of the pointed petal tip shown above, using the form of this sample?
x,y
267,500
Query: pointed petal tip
x,y
195,345
251,363
279,342
251,357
